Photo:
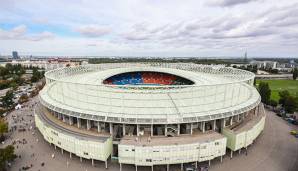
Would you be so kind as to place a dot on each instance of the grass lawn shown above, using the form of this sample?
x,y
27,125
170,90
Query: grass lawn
x,y
280,85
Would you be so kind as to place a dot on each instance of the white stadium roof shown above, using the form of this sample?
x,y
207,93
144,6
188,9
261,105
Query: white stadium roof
x,y
217,92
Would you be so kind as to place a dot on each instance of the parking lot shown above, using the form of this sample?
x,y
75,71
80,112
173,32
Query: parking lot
x,y
274,150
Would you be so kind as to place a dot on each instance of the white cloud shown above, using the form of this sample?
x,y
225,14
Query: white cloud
x,y
136,36
20,33
141,27
226,3
41,36
15,33
93,30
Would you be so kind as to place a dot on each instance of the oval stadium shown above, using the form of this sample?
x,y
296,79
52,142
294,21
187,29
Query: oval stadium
x,y
150,114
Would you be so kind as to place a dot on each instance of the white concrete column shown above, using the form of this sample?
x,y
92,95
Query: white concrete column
x,y
209,163
79,122
203,126
70,155
221,159
231,120
59,116
136,168
181,168
151,130
138,129
92,162
166,129
223,123
178,127
168,167
63,118
191,126
111,128
120,165
70,120
214,125
98,127
231,155
238,117
123,129
88,124
106,163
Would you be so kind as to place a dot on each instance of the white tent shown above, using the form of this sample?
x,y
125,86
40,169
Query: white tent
x,y
18,107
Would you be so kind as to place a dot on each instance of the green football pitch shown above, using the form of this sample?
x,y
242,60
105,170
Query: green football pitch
x,y
280,85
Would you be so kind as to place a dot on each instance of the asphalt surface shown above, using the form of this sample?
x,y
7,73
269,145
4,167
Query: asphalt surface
x,y
274,150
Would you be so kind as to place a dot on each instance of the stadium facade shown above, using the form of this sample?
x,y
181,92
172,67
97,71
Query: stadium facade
x,y
148,114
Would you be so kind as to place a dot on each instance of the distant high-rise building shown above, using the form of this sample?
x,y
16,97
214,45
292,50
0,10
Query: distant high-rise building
x,y
15,55
245,57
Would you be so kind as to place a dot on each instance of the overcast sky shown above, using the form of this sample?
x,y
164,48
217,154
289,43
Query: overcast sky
x,y
150,27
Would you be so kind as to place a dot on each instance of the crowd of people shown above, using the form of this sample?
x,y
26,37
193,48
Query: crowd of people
x,y
20,123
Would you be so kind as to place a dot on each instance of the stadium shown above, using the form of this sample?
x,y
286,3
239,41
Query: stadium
x,y
150,114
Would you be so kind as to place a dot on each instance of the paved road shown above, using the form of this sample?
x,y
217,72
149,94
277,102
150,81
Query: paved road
x,y
274,150
274,76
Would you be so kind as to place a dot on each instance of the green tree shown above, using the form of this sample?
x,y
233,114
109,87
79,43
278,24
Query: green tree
x,y
36,75
273,103
7,100
291,104
283,95
18,79
274,71
24,98
4,84
295,73
3,129
13,85
255,69
18,69
9,67
6,155
265,92
3,72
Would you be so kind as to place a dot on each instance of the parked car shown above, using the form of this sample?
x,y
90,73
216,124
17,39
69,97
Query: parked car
x,y
190,167
4,114
294,132
290,120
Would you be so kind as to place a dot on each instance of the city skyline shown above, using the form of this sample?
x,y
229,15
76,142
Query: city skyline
x,y
150,28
